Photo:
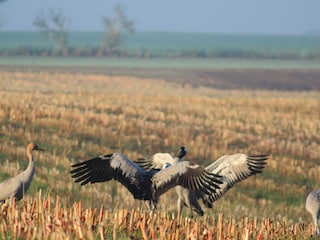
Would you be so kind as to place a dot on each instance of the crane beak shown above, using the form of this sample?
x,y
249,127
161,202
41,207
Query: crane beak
x,y
39,148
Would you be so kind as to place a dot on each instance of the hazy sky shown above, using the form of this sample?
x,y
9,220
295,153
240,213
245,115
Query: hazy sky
x,y
218,16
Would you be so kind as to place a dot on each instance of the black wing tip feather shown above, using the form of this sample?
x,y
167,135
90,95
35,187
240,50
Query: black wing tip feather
x,y
77,167
78,164
85,162
259,157
144,163
214,177
81,174
210,182
257,163
207,182
84,173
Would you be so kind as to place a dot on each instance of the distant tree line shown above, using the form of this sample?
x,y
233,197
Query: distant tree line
x,y
54,25
149,53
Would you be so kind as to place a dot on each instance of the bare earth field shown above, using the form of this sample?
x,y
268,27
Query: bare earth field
x,y
78,113
281,80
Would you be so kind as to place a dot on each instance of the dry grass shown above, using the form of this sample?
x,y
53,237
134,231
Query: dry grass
x,y
76,116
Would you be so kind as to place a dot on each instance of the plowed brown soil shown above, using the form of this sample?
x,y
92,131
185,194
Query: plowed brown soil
x,y
282,80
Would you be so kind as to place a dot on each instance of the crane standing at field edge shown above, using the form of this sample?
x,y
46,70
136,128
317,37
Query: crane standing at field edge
x,y
17,186
313,207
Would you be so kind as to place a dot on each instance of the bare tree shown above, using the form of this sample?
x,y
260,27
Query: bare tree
x,y
54,25
115,27
1,17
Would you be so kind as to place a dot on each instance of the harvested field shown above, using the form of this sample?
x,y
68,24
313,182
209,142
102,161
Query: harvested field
x,y
77,115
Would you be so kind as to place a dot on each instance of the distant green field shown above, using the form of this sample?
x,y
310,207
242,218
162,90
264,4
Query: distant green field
x,y
157,63
160,44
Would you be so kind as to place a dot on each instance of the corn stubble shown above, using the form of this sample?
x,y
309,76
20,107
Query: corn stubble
x,y
47,218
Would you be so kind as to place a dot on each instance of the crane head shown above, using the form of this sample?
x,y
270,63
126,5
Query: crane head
x,y
34,147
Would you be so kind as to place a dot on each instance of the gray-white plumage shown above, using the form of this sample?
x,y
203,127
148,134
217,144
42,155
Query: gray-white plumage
x,y
313,207
232,168
161,160
17,186
143,184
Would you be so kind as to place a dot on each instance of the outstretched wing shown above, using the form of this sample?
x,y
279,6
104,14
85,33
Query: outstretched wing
x,y
233,169
106,167
192,177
